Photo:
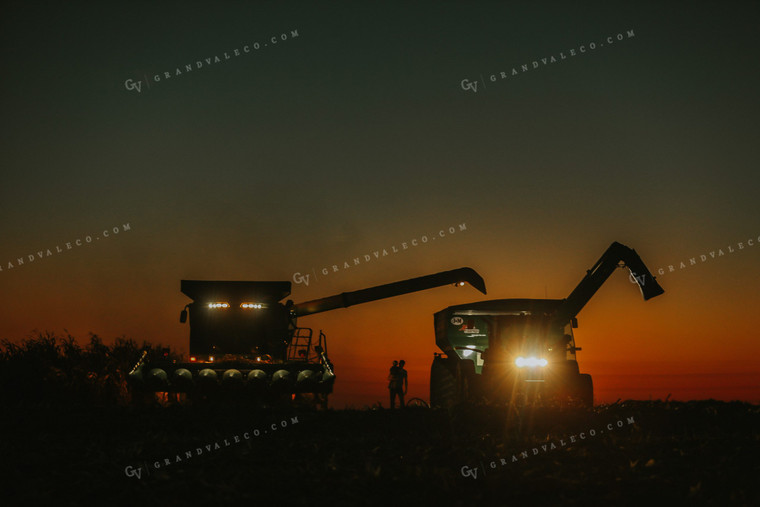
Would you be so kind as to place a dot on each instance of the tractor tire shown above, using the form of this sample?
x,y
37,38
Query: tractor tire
x,y
466,376
585,390
443,384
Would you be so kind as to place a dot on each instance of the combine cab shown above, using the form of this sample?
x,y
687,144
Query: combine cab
x,y
506,350
245,342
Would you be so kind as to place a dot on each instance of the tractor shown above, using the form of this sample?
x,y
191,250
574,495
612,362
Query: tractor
x,y
508,351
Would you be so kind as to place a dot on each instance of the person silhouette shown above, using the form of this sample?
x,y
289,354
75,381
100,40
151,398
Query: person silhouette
x,y
404,382
395,384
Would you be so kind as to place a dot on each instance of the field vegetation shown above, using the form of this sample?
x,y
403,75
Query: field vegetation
x,y
71,435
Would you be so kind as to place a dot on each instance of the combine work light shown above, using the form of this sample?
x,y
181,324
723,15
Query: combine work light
x,y
218,305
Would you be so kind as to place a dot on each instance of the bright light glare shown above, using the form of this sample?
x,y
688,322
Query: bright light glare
x,y
531,362
218,305
466,353
251,305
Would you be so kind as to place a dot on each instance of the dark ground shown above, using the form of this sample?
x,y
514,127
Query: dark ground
x,y
71,435
701,452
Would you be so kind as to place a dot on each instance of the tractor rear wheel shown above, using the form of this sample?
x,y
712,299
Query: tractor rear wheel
x,y
450,381
443,384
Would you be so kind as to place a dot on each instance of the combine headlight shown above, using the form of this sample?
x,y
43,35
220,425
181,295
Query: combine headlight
x,y
530,362
251,305
218,305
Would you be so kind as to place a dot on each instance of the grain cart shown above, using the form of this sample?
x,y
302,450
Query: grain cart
x,y
243,339
522,349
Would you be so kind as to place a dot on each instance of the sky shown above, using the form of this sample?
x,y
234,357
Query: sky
x,y
358,130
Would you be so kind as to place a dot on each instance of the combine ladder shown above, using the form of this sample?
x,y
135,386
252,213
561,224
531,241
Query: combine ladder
x,y
300,345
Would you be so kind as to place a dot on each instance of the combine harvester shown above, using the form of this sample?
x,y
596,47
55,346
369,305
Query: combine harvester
x,y
508,350
245,343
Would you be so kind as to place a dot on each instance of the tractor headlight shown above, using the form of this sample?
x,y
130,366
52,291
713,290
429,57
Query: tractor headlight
x,y
218,305
251,305
530,362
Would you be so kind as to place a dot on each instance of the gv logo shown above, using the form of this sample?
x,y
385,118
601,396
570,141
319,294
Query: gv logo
x,y
469,472
299,278
131,472
469,85
131,85
636,279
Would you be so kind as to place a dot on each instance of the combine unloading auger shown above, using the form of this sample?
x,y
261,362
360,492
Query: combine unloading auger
x,y
346,299
242,337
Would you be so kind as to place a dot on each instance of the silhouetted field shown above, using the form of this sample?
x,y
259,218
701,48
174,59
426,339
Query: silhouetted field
x,y
73,444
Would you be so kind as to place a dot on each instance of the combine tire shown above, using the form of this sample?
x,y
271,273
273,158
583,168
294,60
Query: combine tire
x,y
310,401
586,390
443,385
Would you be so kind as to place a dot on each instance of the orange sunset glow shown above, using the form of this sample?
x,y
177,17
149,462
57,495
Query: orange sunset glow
x,y
695,341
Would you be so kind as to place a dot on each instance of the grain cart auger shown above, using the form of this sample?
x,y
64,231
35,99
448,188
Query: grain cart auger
x,y
522,349
243,339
